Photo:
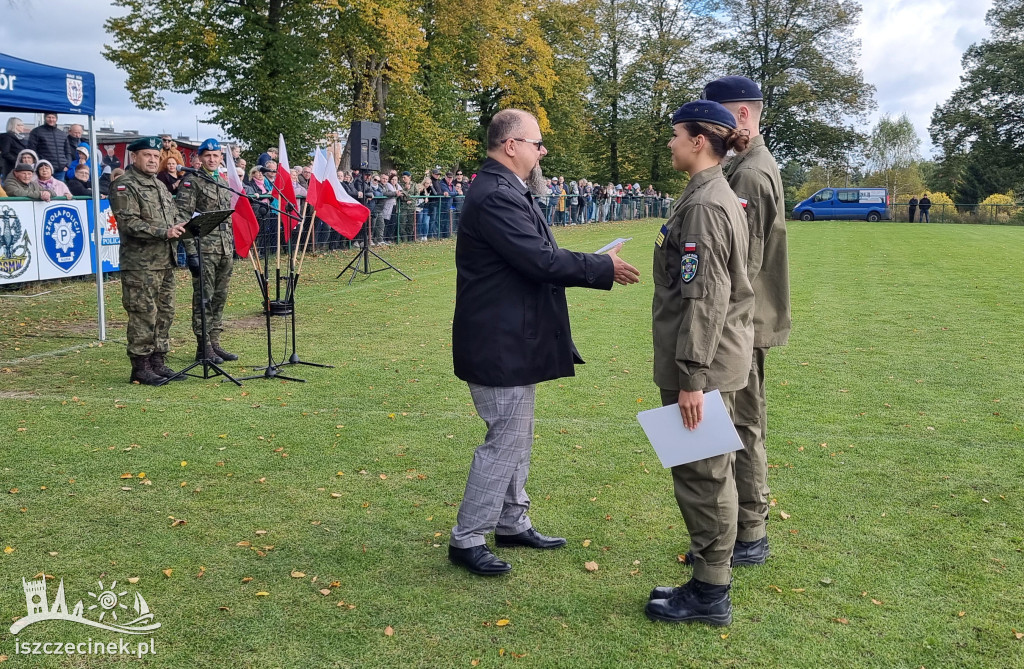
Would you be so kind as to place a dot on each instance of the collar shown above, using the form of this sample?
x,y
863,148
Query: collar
x,y
494,167
739,158
700,179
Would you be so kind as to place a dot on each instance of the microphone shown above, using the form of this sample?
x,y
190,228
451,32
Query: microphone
x,y
188,170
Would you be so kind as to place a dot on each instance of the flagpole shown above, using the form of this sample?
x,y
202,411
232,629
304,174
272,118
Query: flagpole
x,y
278,280
305,247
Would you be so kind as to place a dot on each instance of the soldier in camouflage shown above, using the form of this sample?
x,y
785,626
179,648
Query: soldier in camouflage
x,y
200,194
146,216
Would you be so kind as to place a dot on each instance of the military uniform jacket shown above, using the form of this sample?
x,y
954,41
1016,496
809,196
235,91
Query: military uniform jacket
x,y
755,178
196,195
703,302
144,211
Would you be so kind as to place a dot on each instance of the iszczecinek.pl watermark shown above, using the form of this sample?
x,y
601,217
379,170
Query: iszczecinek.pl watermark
x,y
90,647
105,609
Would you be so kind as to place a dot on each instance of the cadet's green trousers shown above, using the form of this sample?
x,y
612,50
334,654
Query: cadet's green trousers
x,y
148,297
706,493
216,277
752,461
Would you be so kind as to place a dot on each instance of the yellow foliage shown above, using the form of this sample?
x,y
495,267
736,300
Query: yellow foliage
x,y
940,198
1005,199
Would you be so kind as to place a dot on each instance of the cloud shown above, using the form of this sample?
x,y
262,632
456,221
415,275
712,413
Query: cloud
x,y
911,51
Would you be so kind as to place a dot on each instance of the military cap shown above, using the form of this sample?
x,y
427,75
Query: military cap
x,y
406,173
731,89
144,143
704,111
208,145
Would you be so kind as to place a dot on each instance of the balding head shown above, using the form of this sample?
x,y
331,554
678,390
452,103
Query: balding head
x,y
507,123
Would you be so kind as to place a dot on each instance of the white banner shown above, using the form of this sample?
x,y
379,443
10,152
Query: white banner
x,y
19,251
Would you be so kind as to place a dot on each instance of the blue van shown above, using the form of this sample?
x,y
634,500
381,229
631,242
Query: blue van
x,y
870,204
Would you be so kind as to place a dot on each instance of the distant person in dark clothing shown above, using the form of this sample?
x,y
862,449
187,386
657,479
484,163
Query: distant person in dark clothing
x,y
51,143
925,205
911,209
12,142
80,185
110,159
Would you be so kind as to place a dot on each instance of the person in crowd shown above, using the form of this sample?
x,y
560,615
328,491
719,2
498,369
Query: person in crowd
x,y
12,142
75,132
446,188
81,158
107,178
241,163
147,223
305,174
47,181
194,162
200,193
609,202
80,185
170,176
110,159
375,203
912,209
51,143
255,182
458,202
300,189
703,341
269,172
406,208
425,195
21,182
573,196
510,332
267,156
925,205
170,150
433,203
389,188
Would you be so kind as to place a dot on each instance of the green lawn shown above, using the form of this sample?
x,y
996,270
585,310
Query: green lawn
x,y
895,446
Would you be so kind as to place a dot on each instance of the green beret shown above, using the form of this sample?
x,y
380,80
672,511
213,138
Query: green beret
x,y
146,143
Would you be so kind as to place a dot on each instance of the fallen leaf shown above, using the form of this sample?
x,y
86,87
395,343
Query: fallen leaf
x,y
783,515
383,477
503,622
298,574
961,614
167,572
591,566
389,631
1018,635
501,652
202,572
179,521
223,608
775,588
246,579
826,581
127,476
586,542
262,593
184,463
876,602
724,636
133,579
474,663
335,495
325,592
841,621
52,553
798,589
8,550
243,543
260,533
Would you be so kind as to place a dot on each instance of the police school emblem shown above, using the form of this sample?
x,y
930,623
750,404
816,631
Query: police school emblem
x,y
689,262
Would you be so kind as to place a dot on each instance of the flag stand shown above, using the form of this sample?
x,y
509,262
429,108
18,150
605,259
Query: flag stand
x,y
365,254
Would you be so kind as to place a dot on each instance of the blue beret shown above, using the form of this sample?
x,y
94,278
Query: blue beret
x,y
732,89
208,145
143,143
704,111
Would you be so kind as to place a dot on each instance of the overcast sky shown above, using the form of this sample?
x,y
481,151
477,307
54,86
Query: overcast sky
x,y
910,51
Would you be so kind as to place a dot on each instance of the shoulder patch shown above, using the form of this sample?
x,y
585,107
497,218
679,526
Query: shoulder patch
x,y
743,202
660,239
186,184
121,188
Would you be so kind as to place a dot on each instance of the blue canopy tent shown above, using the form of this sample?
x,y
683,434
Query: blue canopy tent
x,y
28,86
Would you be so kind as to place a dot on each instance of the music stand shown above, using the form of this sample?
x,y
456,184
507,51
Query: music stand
x,y
200,226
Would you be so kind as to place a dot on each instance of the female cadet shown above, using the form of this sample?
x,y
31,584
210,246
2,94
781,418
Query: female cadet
x,y
703,339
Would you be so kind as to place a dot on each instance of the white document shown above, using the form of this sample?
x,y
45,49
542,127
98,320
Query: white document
x,y
609,247
675,445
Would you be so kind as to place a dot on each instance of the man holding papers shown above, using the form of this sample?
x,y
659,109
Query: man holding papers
x,y
703,341
510,332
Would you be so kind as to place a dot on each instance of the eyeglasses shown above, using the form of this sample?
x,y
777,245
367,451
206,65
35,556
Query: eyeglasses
x,y
539,143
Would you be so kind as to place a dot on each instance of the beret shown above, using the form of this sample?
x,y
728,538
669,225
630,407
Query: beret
x,y
144,143
208,145
732,89
704,111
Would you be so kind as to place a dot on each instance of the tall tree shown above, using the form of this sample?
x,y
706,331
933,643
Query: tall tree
x,y
892,151
804,56
980,129
616,39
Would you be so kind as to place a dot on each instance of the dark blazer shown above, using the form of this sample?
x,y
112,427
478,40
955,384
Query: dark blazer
x,y
511,325
10,147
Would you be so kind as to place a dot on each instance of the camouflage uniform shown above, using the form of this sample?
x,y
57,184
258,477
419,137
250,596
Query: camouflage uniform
x,y
197,195
144,211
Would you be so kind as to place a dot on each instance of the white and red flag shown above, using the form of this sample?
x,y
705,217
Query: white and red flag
x,y
285,189
333,205
244,224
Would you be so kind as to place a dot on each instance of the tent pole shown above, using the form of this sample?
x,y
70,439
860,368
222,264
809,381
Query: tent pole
x,y
97,228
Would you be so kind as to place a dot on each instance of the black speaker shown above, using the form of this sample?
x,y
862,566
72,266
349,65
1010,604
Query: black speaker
x,y
364,139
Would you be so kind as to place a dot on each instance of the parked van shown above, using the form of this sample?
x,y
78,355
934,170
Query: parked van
x,y
871,204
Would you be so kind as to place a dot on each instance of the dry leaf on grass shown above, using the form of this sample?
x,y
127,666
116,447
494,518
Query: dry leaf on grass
x,y
298,574
841,621
503,622
591,566
389,631
262,593
167,572
783,515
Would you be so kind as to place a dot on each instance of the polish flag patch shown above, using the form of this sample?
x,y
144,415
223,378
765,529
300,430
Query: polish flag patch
x,y
690,247
743,203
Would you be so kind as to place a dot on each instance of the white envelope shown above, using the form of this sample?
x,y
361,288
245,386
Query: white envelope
x,y
675,445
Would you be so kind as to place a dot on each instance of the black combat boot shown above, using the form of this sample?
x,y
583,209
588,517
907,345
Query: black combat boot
x,y
695,602
215,344
157,362
750,553
211,355
142,373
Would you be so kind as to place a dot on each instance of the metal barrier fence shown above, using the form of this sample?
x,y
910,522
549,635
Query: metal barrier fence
x,y
966,214
419,218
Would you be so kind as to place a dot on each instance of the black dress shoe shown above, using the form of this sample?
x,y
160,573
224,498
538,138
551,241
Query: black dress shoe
x,y
478,560
695,602
750,553
531,538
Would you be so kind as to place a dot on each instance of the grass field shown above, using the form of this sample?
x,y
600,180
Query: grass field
x,y
895,450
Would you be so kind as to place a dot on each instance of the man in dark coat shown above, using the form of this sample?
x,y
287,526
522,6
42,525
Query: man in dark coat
x,y
912,209
510,332
51,143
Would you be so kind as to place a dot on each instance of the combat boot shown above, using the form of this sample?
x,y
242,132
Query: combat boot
x,y
215,344
750,553
157,362
695,602
211,355
142,373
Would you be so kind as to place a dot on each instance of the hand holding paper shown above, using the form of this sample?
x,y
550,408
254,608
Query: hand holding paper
x,y
676,445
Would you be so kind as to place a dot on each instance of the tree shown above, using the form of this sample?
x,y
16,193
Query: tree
x,y
892,154
804,56
980,129
616,37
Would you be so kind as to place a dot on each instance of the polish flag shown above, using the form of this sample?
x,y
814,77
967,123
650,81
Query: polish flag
x,y
244,224
333,205
285,189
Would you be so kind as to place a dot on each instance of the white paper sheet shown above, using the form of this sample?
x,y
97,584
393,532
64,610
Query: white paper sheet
x,y
675,445
609,247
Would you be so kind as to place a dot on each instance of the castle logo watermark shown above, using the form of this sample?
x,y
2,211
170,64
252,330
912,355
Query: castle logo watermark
x,y
105,609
